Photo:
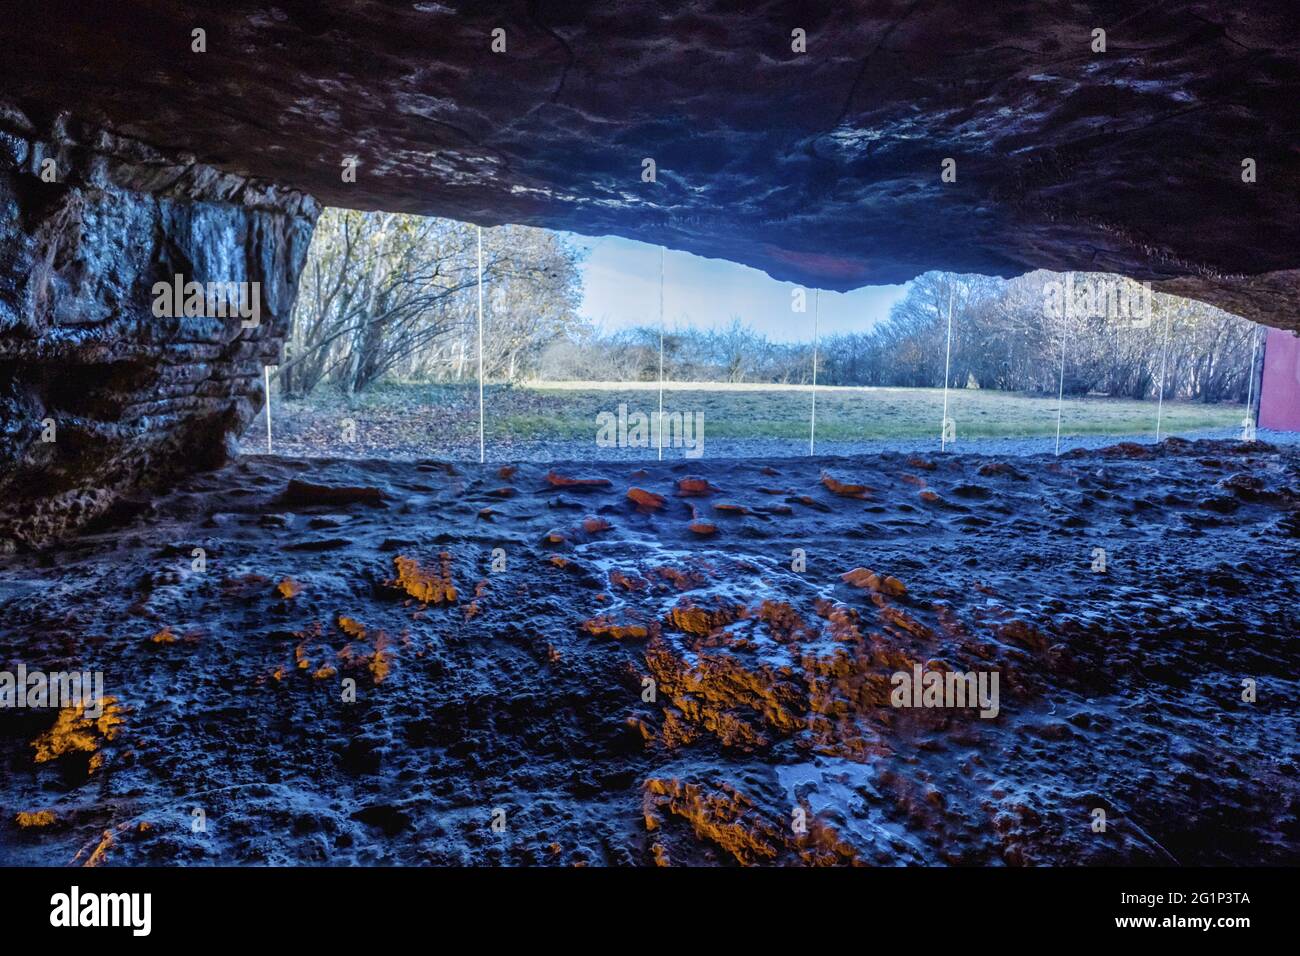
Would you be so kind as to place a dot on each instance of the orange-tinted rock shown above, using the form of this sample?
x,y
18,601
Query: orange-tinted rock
x,y
594,525
722,816
922,463
99,855
424,584
76,733
352,628
845,489
720,696
782,620
866,578
380,665
165,636
702,527
378,661
562,481
645,500
506,492
905,622
681,580
692,487
506,472
731,508
630,581
1024,634
29,819
604,627
288,589
690,617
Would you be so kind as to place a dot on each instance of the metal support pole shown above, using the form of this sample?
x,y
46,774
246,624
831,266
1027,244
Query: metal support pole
x,y
480,343
1060,393
812,425
266,374
943,429
660,428
1160,398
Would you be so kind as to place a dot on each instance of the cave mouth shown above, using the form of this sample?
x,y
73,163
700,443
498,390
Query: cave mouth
x,y
611,349
985,568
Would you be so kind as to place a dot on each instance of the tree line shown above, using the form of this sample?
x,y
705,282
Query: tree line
x,y
1006,334
388,295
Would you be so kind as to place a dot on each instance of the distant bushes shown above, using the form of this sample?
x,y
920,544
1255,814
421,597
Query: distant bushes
x,y
390,296
1004,337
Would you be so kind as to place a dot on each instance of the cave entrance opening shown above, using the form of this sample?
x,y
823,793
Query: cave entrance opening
x,y
416,337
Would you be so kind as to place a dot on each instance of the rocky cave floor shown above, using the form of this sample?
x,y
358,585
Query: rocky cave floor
x,y
519,695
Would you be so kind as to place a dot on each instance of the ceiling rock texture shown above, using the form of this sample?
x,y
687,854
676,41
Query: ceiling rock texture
x,y
821,167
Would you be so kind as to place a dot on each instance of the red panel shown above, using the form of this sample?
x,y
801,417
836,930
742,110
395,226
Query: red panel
x,y
1279,390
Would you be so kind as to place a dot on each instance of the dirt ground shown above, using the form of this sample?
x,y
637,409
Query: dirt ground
x,y
672,663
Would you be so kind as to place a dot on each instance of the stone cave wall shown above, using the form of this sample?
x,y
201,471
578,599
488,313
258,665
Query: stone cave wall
x,y
89,221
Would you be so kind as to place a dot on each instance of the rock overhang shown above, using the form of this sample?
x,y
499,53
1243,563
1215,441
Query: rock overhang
x,y
821,167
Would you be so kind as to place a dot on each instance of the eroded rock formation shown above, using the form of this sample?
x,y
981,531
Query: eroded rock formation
x,y
349,682
98,395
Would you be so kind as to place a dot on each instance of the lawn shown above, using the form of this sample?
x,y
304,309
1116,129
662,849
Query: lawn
x,y
424,419
569,410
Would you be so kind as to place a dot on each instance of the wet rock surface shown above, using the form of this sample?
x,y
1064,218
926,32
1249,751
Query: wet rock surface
x,y
821,167
513,685
101,398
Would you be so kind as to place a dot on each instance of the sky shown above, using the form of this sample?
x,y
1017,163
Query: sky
x,y
621,289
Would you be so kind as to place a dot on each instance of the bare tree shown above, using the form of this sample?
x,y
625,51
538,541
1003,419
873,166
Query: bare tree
x,y
384,292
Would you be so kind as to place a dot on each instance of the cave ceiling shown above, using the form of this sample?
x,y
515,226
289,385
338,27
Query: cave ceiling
x,y
822,167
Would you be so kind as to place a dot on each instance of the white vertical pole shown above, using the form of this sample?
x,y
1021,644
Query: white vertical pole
x,y
480,343
660,429
1250,378
1060,393
1160,398
812,424
266,375
943,429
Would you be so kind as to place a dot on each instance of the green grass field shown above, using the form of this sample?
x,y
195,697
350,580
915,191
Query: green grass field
x,y
569,410
434,417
